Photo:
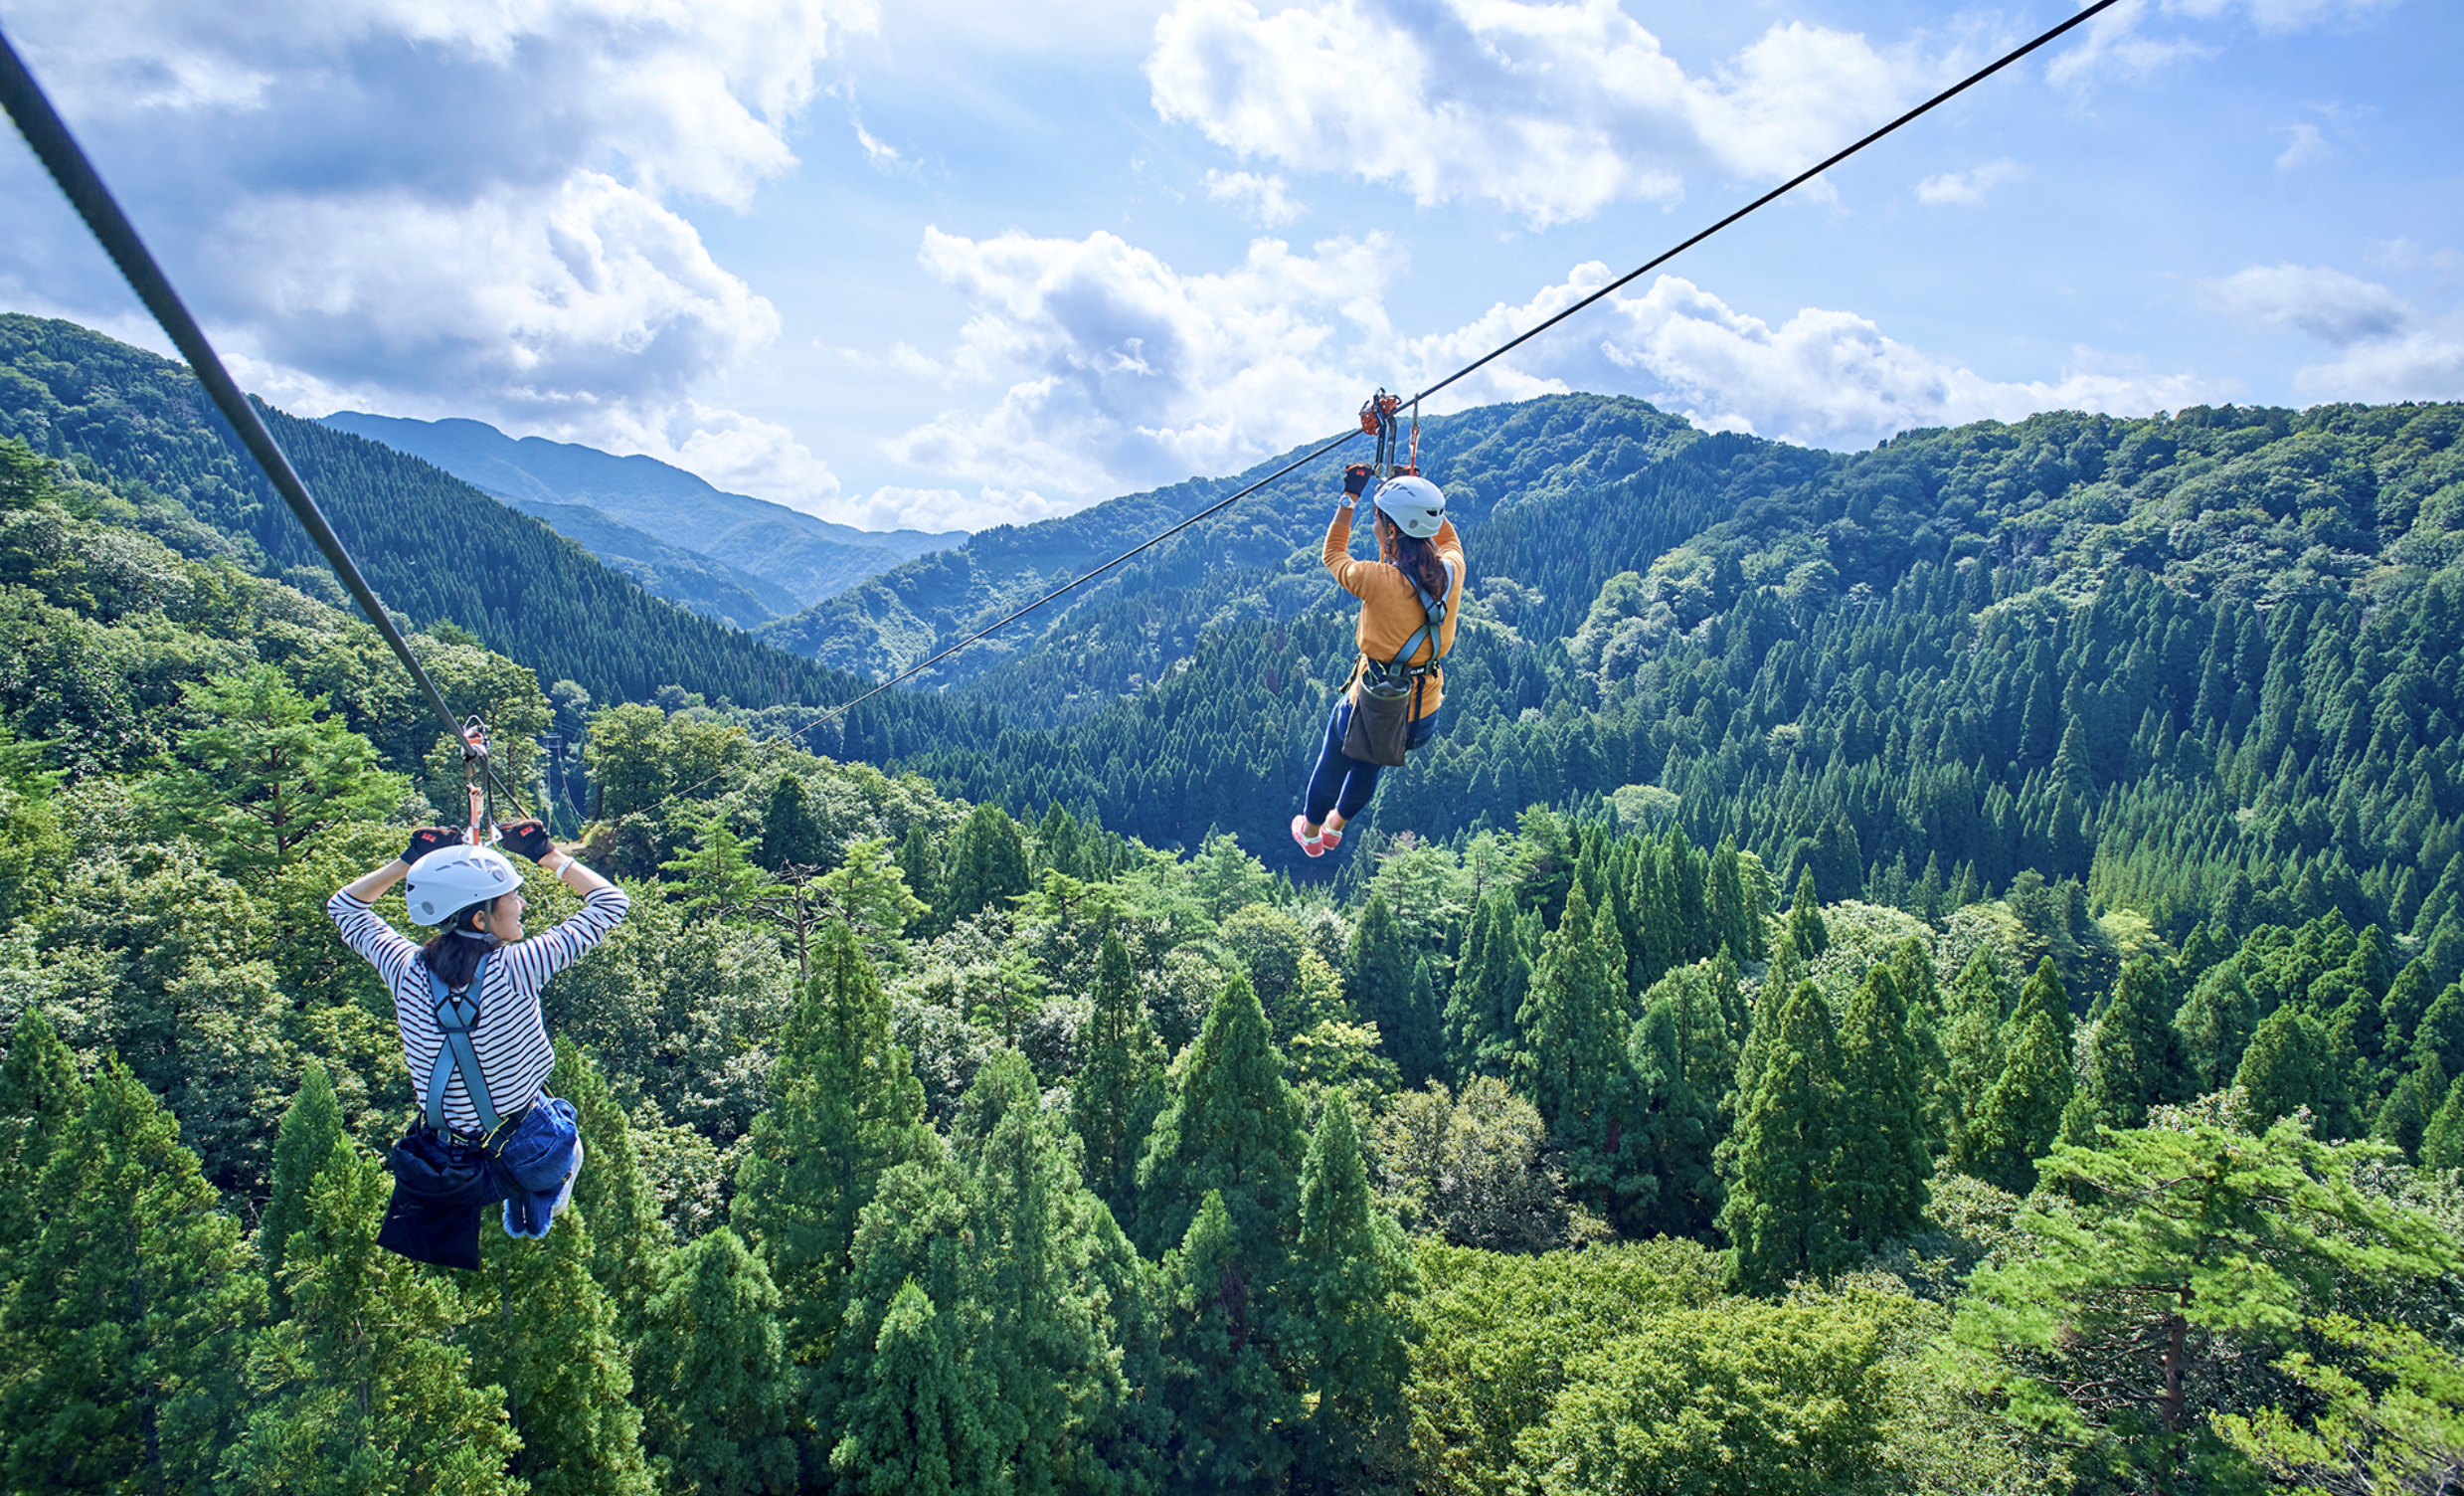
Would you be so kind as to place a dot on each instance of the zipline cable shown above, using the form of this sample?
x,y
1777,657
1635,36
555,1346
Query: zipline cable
x,y
67,161
1792,184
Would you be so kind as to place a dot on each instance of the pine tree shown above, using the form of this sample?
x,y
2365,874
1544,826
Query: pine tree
x,y
716,1391
41,1098
1354,1279
2134,1056
123,1329
1489,986
844,1108
1885,1153
1805,934
630,1237
920,863
911,1432
2405,1115
1573,1061
1233,1393
2044,993
790,832
2442,1141
1783,1216
2284,1069
987,865
1232,1127
310,1130
2021,1118
1119,1090
1377,982
546,1334
1677,1124
269,773
366,1386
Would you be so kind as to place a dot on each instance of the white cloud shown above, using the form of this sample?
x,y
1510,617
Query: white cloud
x,y
458,206
2120,41
1553,111
2419,366
1260,199
2305,146
2324,302
1111,371
1969,187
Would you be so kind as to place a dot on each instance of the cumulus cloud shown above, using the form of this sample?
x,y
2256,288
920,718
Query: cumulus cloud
x,y
1260,199
458,206
1553,109
2132,40
2327,304
1106,370
2386,350
1969,187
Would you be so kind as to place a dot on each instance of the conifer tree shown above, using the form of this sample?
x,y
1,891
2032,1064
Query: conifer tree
x,y
2134,1058
1119,1090
1885,1153
2284,1069
366,1386
1377,982
2442,1140
41,1098
123,1328
1354,1277
1783,1216
1489,986
1805,934
987,865
920,863
911,1432
2021,1117
790,832
844,1108
1231,1339
310,1130
2407,1113
1232,1127
716,1391
1677,1124
1572,1066
546,1333
2044,993
629,1239
2214,1024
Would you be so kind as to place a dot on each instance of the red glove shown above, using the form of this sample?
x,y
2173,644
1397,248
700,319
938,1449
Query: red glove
x,y
529,837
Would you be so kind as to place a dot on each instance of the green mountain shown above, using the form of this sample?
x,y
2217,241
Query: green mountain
x,y
434,548
691,581
803,557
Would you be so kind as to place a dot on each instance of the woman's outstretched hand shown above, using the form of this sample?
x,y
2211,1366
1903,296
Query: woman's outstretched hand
x,y
530,838
1355,478
428,838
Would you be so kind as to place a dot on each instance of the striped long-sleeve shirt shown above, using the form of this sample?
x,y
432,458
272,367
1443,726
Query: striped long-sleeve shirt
x,y
510,1039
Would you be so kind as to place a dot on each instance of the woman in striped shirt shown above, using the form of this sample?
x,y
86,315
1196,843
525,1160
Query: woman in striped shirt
x,y
483,940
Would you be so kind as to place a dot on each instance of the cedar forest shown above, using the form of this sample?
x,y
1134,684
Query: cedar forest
x,y
1931,970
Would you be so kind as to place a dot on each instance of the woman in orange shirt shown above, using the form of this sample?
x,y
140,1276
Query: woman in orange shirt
x,y
1416,543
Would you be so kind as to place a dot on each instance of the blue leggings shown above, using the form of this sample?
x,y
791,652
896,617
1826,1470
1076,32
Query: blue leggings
x,y
1341,783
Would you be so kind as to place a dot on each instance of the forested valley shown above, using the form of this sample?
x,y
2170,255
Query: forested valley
x,y
1935,969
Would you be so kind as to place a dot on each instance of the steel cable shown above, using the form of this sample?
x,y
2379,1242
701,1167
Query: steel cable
x,y
65,160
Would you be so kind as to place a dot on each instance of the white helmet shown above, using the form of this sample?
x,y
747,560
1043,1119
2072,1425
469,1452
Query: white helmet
x,y
1415,504
452,878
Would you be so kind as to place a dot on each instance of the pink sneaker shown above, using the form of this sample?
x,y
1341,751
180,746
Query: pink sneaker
x,y
1314,847
1329,837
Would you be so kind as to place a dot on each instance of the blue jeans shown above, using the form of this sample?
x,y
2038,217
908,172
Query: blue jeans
x,y
1341,783
539,1163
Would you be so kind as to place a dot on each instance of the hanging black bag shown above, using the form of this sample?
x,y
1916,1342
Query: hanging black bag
x,y
1385,698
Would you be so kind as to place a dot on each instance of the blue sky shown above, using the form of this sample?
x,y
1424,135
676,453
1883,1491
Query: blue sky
x,y
937,264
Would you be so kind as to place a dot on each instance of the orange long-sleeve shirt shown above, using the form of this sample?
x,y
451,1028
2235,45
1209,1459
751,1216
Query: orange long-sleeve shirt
x,y
1390,610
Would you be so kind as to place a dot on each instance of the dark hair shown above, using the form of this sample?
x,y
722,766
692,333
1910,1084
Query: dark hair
x,y
453,952
1416,558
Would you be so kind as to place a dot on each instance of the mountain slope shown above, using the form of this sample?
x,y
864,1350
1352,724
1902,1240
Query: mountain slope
x,y
809,558
695,583
433,547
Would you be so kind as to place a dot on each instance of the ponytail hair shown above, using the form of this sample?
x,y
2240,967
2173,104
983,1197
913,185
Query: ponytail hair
x,y
453,953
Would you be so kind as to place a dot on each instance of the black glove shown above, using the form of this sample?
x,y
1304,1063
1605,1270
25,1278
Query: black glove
x,y
528,837
1355,478
427,840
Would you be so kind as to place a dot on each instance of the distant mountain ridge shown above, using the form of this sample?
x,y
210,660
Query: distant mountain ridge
x,y
805,557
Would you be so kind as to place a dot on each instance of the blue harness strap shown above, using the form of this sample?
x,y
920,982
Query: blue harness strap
x,y
1435,610
455,1013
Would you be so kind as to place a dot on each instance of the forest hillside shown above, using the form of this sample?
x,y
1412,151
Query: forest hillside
x,y
1931,972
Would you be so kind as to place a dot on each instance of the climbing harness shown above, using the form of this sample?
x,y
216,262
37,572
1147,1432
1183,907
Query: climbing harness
x,y
458,1013
1386,696
65,160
